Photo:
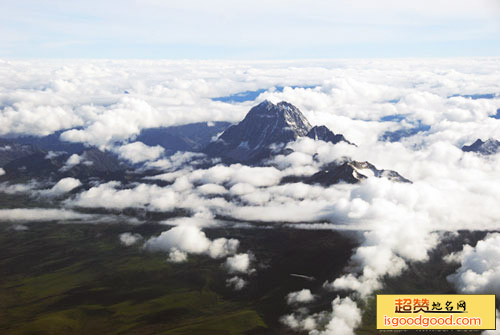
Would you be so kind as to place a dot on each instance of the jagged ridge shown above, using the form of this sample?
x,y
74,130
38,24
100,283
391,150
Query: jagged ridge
x,y
489,147
264,125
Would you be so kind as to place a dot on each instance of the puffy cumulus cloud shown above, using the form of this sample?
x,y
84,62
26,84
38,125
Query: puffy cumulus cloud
x,y
265,203
42,214
138,152
109,195
181,194
128,239
237,283
451,190
302,322
211,189
186,238
254,193
62,186
222,247
242,189
2,172
61,95
117,123
237,173
479,270
256,176
177,256
291,211
299,297
384,252
189,239
30,117
343,319
72,161
239,263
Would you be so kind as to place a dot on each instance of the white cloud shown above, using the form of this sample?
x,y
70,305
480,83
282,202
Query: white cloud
x,y
18,188
299,297
384,252
239,263
164,93
344,318
25,116
223,247
62,186
72,161
110,195
190,239
212,189
480,267
41,214
300,323
173,162
237,283
138,152
177,256
2,172
128,239
185,238
120,122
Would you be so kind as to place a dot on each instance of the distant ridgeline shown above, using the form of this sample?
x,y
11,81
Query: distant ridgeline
x,y
263,133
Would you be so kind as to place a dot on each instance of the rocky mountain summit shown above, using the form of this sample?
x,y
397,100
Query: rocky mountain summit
x,y
264,125
489,147
346,171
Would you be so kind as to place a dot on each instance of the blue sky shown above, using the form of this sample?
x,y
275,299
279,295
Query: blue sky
x,y
223,29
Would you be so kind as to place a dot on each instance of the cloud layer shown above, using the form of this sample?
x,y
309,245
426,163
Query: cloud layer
x,y
110,102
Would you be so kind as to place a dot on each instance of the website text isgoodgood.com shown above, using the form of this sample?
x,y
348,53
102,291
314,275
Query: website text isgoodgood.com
x,y
426,321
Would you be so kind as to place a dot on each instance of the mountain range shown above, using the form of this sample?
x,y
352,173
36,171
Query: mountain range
x,y
264,132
